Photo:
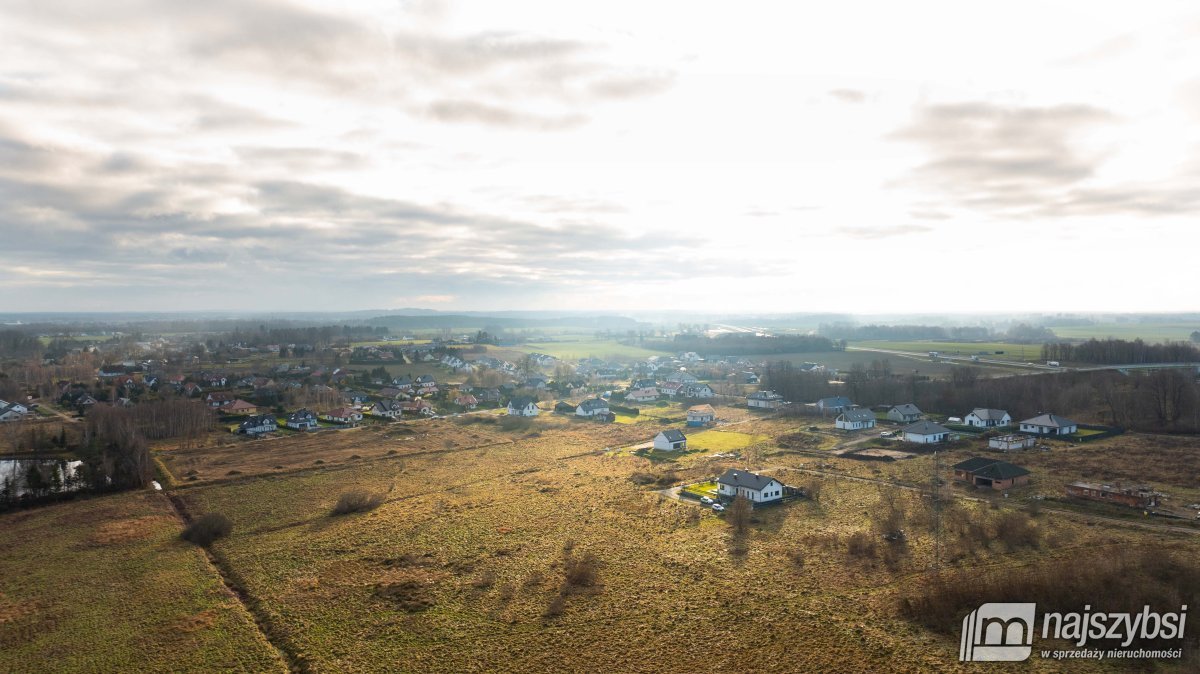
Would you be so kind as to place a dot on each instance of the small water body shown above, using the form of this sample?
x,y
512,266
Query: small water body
x,y
54,476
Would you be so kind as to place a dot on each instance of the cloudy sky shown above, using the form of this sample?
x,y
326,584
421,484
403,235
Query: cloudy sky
x,y
871,157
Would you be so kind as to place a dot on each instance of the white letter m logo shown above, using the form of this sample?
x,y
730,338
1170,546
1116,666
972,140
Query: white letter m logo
x,y
998,633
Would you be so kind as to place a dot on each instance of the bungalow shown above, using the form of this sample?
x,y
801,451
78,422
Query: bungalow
x,y
904,414
343,415
855,419
591,407
682,377
642,395
697,390
757,488
388,409
522,406
984,472
1012,443
417,406
467,400
302,420
219,399
1049,424
258,424
767,400
699,415
1134,497
834,405
240,407
983,417
670,439
925,433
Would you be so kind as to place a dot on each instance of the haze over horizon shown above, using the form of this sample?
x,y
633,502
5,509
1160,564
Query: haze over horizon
x,y
282,156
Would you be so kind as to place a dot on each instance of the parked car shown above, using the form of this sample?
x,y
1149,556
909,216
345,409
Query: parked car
x,y
706,500
885,434
718,508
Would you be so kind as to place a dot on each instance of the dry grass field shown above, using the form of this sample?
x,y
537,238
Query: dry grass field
x,y
533,546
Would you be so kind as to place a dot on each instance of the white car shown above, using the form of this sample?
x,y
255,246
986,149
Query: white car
x,y
885,434
718,508
706,500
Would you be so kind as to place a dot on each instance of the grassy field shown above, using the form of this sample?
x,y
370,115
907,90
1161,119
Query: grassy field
x,y
105,584
469,562
1150,332
1017,352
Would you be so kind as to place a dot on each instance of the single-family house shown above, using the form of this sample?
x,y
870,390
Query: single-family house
x,y
537,381
426,384
258,425
1012,443
855,420
670,439
757,488
591,407
466,400
682,377
833,405
642,383
564,407
983,417
301,420
240,406
767,400
984,472
388,409
219,398
522,406
1049,424
356,398
699,415
343,415
417,406
904,414
642,395
670,389
697,390
925,432
405,384
11,412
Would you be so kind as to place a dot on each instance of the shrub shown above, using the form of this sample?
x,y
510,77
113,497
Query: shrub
x,y
861,545
580,572
357,501
206,529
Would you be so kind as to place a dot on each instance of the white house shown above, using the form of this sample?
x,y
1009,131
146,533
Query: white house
x,y
11,411
700,415
670,439
343,415
925,432
905,414
683,377
258,424
591,407
756,488
855,420
983,417
522,406
302,420
642,395
767,400
389,409
1012,443
670,388
833,405
1049,424
697,390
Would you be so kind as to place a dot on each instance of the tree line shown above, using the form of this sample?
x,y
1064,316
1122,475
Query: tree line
x,y
1121,352
738,344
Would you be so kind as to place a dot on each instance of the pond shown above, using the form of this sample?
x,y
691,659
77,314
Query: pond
x,y
48,476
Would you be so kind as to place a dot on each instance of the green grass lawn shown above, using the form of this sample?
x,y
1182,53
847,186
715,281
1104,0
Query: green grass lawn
x,y
722,441
587,348
1150,332
708,489
1018,352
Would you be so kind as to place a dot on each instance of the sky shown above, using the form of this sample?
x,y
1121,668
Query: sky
x,y
858,157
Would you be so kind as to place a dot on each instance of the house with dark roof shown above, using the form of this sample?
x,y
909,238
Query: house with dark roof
x,y
925,433
591,407
388,409
981,471
757,488
670,440
258,425
983,417
766,400
301,420
833,405
905,414
642,383
855,420
343,415
697,390
642,395
466,400
522,406
1049,424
